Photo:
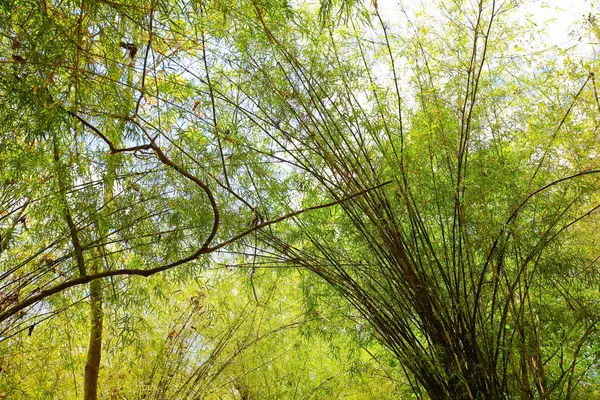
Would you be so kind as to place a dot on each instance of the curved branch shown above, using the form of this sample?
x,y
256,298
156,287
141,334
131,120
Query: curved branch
x,y
162,157
43,294
213,203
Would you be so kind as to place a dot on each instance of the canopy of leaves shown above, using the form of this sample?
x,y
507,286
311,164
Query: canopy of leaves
x,y
284,200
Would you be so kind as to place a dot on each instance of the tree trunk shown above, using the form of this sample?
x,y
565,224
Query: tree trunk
x,y
92,366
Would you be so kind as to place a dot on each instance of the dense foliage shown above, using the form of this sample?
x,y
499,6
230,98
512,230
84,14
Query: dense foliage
x,y
287,200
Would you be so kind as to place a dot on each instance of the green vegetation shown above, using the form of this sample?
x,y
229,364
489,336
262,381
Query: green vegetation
x,y
289,200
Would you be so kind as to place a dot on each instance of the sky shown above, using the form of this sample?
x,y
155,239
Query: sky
x,y
559,18
557,24
562,20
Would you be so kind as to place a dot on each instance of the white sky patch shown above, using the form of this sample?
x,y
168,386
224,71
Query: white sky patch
x,y
558,18
561,20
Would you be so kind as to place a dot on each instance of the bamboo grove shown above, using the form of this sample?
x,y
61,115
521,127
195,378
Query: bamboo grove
x,y
427,179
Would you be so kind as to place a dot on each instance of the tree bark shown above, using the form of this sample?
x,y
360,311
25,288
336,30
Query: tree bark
x,y
92,366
